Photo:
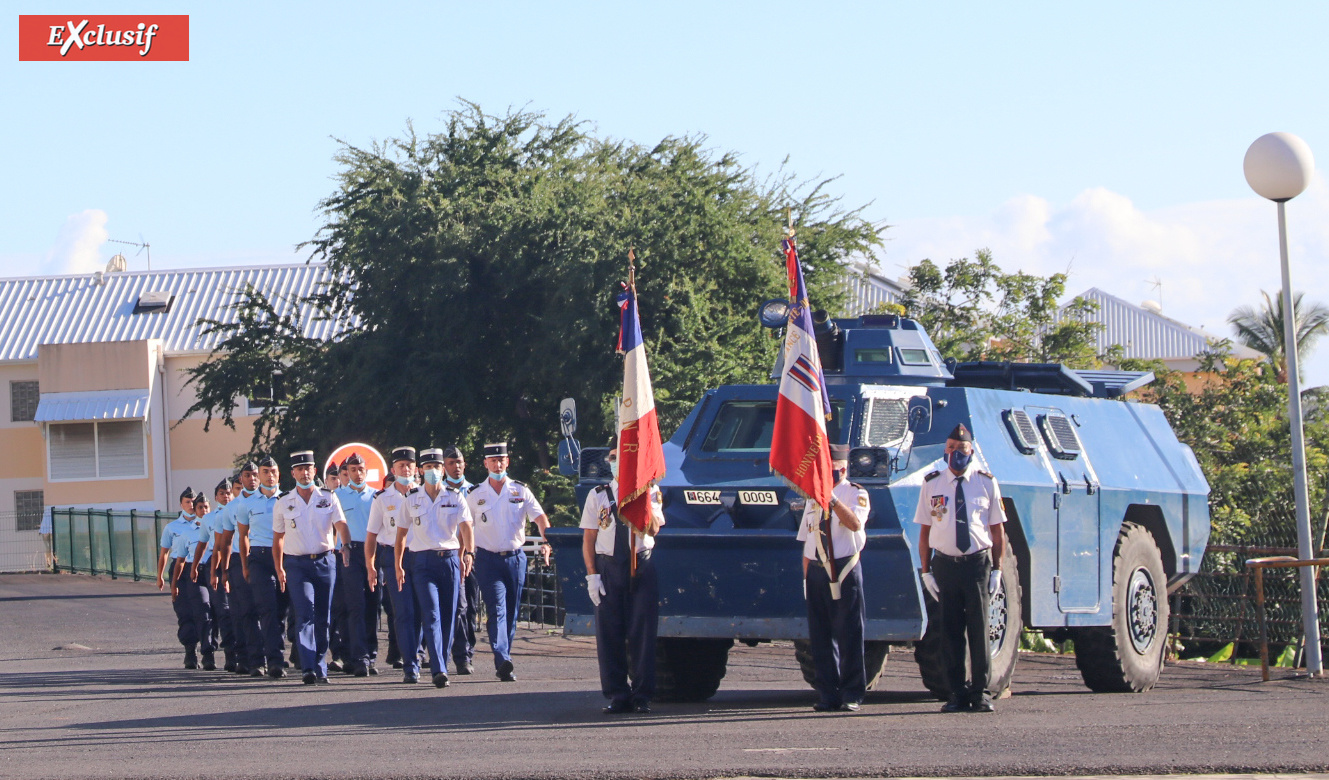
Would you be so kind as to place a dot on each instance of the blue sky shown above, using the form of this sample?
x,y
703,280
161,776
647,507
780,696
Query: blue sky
x,y
1106,138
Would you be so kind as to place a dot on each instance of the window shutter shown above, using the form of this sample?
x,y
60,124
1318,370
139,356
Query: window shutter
x,y
73,451
120,449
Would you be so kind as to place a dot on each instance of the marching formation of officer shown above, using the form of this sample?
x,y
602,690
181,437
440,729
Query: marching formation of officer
x,y
626,594
960,546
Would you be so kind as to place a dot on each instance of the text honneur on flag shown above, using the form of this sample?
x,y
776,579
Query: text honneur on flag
x,y
640,449
800,449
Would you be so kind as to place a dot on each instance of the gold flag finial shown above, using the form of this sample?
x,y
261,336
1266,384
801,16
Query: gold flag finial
x,y
789,226
632,268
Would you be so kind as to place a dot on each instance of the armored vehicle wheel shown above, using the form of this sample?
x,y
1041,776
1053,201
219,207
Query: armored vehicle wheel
x,y
1127,656
689,669
1005,622
874,661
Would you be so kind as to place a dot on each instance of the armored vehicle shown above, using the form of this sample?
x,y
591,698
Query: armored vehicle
x,y
1106,510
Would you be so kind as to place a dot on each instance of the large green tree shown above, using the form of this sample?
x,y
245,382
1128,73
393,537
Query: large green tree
x,y
476,270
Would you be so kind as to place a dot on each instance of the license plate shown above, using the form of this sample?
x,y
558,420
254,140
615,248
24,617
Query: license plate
x,y
701,496
759,497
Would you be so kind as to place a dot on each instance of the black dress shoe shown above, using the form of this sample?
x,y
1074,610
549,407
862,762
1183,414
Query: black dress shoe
x,y
361,670
411,677
465,667
241,669
229,667
258,671
209,663
324,681
372,669
642,707
398,665
309,678
440,680
504,672
824,707
191,661
849,706
336,666
954,704
982,705
277,674
618,708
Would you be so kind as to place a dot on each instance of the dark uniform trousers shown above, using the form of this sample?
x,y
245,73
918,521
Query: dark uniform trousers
x,y
185,630
501,576
625,626
263,588
361,608
385,570
244,617
835,632
406,614
338,641
963,583
223,635
199,598
468,604
310,580
437,580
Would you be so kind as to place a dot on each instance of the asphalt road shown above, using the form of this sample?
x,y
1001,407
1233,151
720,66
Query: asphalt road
x,y
125,707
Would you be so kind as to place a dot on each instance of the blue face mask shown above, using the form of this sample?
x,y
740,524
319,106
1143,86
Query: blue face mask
x,y
303,485
959,460
357,485
433,476
613,468
454,481
500,476
404,481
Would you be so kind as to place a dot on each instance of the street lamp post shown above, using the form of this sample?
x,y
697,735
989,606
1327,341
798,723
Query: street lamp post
x,y
1278,166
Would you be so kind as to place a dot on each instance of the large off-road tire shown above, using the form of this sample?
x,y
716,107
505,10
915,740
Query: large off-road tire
x,y
689,669
874,661
1127,656
1005,622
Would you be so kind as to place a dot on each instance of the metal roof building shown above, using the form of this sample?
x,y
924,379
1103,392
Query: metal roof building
x,y
105,307
869,290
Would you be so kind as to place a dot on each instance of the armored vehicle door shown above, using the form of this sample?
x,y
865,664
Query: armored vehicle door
x,y
1076,499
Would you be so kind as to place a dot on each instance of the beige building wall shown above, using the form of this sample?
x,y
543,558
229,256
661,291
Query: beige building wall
x,y
107,365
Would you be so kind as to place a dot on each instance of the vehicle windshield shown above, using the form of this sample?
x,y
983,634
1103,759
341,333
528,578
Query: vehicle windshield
x,y
746,427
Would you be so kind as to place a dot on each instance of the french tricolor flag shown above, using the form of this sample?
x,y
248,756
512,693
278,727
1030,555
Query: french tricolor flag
x,y
800,450
640,449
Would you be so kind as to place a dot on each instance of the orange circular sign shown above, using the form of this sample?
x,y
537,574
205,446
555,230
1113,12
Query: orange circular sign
x,y
376,468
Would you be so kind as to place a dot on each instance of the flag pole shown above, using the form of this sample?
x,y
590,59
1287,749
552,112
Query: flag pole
x,y
632,532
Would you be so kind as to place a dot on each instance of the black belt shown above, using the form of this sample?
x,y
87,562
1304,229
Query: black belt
x,y
311,556
439,553
355,545
267,550
960,558
507,554
642,555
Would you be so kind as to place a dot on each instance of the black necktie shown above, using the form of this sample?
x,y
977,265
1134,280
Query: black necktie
x,y
962,540
622,534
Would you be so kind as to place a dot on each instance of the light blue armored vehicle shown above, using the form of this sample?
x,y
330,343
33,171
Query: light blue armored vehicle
x,y
1106,510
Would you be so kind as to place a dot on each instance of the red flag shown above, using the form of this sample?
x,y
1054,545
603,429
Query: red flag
x,y
640,449
800,450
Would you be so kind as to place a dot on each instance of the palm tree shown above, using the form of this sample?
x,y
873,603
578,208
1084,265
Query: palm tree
x,y
1262,330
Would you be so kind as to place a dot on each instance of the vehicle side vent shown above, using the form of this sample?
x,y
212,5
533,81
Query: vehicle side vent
x,y
1021,429
1060,436
888,422
593,465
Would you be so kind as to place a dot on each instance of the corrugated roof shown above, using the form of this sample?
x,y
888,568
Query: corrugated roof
x,y
869,290
1148,336
83,309
97,405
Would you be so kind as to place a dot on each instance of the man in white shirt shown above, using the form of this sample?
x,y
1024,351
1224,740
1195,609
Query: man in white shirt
x,y
500,508
837,614
387,513
960,546
304,522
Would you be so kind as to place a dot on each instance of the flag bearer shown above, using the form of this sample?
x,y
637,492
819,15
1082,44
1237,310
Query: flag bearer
x,y
362,603
386,515
231,577
626,596
439,538
468,597
960,546
305,526
500,508
837,614
174,544
255,524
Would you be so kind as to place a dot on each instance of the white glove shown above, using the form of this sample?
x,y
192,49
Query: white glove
x,y
595,587
930,582
994,581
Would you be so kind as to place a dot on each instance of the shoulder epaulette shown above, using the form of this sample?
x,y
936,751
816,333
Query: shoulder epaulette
x,y
986,474
515,482
855,484
602,488
932,476
378,493
413,491
473,488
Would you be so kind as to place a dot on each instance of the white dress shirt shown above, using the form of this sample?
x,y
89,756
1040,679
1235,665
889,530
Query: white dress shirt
x,y
936,508
386,514
500,515
598,515
434,522
308,525
844,542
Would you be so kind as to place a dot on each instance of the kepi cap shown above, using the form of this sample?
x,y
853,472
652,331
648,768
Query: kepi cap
x,y
302,458
839,452
431,455
496,450
403,453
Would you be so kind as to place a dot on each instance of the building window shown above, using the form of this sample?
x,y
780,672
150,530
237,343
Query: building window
x,y
100,450
28,507
271,394
23,398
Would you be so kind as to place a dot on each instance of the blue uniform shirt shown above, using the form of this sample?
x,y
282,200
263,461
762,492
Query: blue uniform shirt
x,y
173,535
257,514
355,505
210,526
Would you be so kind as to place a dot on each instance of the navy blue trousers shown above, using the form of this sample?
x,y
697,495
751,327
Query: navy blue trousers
x,y
222,634
406,614
501,579
339,641
185,630
625,628
244,617
463,633
198,596
310,581
386,571
437,576
835,631
263,589
362,606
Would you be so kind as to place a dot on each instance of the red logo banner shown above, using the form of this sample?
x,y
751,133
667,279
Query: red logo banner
x,y
103,38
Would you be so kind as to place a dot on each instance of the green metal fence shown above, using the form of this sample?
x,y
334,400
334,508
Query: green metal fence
x,y
121,543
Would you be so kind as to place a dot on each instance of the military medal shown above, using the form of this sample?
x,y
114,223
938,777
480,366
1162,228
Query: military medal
x,y
939,506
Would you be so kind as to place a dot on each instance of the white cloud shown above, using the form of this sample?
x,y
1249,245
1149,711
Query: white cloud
x,y
76,249
1211,256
